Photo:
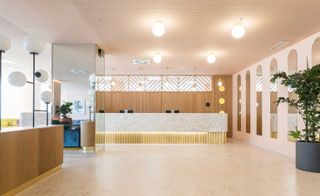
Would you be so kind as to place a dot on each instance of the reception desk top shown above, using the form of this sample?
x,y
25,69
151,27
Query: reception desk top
x,y
165,122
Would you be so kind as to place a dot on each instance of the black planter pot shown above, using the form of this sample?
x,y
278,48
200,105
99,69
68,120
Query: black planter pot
x,y
308,156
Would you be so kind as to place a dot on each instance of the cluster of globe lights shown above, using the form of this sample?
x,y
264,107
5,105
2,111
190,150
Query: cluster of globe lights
x,y
33,45
91,91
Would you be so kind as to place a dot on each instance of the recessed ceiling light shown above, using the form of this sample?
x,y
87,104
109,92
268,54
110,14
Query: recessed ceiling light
x,y
211,58
141,61
238,30
157,58
158,29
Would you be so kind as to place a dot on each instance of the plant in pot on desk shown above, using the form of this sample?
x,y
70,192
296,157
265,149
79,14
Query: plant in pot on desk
x,y
306,85
64,110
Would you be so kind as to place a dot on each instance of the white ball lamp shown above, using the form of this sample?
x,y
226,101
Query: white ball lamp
x,y
157,58
47,98
5,45
42,75
91,92
238,30
158,29
17,79
211,58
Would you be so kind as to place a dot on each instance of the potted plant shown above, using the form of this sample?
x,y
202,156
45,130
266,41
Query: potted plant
x,y
306,85
64,110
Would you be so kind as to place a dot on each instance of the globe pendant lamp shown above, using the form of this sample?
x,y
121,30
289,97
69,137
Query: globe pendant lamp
x,y
5,45
47,98
33,45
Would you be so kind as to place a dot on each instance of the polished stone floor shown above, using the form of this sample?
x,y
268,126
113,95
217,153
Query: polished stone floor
x,y
233,169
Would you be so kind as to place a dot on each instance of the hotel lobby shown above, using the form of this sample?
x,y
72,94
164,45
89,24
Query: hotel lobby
x,y
159,98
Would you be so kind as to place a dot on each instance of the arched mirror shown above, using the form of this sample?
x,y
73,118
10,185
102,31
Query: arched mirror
x,y
259,99
273,99
239,103
316,52
292,112
248,128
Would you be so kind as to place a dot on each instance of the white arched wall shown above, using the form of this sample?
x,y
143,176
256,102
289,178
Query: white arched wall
x,y
281,144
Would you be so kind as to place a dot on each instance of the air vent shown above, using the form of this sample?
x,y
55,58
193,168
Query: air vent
x,y
141,61
280,44
79,71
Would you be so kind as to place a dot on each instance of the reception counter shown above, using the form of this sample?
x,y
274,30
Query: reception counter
x,y
164,128
27,155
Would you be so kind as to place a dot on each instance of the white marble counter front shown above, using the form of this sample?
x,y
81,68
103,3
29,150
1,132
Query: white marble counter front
x,y
166,122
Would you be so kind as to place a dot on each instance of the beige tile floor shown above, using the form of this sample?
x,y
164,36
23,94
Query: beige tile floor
x,y
163,170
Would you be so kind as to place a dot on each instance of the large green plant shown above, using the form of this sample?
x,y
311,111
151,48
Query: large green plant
x,y
306,85
64,109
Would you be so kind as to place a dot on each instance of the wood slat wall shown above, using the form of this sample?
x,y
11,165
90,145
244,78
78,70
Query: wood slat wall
x,y
27,154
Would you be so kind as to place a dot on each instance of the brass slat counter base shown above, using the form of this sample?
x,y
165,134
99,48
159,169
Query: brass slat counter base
x,y
162,137
31,182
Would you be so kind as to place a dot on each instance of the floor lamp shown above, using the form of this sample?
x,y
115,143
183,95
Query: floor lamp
x,y
34,46
47,98
5,45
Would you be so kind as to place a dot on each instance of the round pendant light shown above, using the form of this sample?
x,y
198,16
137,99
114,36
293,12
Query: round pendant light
x,y
157,58
238,30
158,29
211,58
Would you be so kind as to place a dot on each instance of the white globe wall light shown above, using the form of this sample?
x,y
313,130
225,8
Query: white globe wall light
x,y
42,75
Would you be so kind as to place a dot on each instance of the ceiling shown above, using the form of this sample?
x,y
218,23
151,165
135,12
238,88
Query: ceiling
x,y
194,28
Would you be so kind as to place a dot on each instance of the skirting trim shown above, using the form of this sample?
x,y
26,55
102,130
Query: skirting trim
x,y
32,181
161,137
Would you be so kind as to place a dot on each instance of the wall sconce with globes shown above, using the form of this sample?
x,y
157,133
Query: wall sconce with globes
x,y
5,45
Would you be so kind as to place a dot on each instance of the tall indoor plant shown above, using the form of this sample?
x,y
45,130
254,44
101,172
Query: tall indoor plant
x,y
306,85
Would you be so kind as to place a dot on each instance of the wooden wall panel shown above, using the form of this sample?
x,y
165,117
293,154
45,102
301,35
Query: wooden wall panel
x,y
259,113
27,154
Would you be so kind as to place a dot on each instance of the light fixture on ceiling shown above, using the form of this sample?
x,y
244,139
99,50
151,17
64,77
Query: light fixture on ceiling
x,y
280,44
211,58
158,29
157,58
78,71
238,30
141,61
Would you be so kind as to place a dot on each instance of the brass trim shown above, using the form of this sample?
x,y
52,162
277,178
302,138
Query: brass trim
x,y
32,181
162,137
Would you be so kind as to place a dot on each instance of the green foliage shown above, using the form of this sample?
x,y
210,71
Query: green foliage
x,y
306,85
64,109
295,134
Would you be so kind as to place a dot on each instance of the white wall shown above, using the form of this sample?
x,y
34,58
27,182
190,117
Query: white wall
x,y
281,144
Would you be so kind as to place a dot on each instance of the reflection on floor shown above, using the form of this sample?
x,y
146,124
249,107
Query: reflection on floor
x,y
228,169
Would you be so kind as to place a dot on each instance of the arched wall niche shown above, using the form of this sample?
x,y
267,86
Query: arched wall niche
x,y
259,88
292,112
248,101
239,103
316,52
273,87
